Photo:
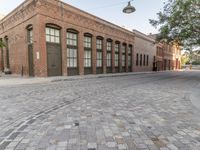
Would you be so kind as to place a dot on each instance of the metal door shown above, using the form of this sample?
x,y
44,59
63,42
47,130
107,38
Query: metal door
x,y
54,59
30,60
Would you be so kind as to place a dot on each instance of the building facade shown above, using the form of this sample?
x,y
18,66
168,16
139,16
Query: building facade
x,y
144,52
168,57
52,38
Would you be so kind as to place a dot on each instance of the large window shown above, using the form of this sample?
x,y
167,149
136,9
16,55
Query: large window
x,y
123,55
129,56
140,59
109,50
99,48
87,51
72,49
88,42
30,35
52,35
137,59
147,60
7,52
116,54
144,60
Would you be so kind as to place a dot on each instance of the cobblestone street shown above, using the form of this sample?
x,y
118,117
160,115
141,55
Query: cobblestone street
x,y
135,112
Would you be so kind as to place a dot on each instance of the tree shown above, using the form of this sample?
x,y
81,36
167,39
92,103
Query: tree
x,y
179,22
1,44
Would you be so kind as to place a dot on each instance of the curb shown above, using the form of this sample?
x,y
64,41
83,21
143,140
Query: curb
x,y
82,77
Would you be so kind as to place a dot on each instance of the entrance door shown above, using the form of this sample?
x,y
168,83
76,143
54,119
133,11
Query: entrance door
x,y
54,59
30,60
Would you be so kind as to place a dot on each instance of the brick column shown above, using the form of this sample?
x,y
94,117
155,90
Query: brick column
x,y
39,48
94,54
80,53
104,55
113,56
120,57
64,51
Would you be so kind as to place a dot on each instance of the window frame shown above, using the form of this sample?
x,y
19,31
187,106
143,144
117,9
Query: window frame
x,y
124,47
147,62
109,53
87,51
53,35
72,61
137,59
99,50
141,59
117,49
144,60
129,56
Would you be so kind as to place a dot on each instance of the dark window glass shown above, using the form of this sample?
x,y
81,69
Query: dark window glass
x,y
137,59
140,59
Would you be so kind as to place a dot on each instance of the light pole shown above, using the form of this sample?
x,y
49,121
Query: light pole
x,y
129,9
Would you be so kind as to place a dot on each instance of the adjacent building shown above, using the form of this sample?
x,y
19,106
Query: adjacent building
x,y
144,52
168,56
52,38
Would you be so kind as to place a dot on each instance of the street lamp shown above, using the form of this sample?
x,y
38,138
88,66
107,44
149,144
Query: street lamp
x,y
129,9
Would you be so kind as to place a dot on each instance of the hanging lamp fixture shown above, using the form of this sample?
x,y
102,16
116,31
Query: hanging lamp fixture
x,y
129,9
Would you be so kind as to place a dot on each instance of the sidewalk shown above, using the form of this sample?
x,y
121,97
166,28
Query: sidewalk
x,y
12,80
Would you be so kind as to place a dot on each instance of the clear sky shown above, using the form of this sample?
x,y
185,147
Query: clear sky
x,y
110,10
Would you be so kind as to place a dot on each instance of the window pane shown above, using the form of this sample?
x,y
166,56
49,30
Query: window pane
x,y
52,31
48,38
57,33
57,40
47,31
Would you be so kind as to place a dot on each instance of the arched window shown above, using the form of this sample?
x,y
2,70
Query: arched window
x,y
72,48
52,33
109,52
117,46
140,59
124,55
130,56
99,48
87,50
30,34
137,59
7,51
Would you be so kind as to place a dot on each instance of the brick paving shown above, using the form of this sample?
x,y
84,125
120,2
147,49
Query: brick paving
x,y
135,112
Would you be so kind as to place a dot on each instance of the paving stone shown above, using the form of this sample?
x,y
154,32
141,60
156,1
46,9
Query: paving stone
x,y
148,112
4,145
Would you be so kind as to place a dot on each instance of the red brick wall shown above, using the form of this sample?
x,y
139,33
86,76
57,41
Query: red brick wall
x,y
46,12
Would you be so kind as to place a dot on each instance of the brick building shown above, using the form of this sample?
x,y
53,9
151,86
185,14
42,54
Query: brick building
x,y
168,56
144,52
52,38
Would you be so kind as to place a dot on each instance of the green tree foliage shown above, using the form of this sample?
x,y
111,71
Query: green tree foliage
x,y
2,44
179,22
